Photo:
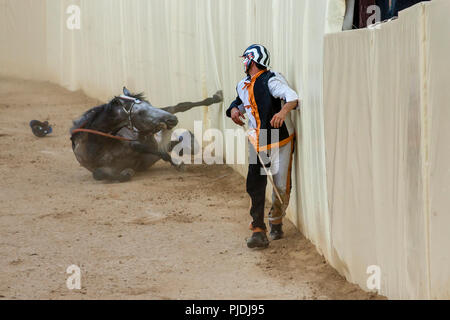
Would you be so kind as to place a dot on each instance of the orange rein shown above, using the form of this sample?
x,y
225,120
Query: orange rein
x,y
101,134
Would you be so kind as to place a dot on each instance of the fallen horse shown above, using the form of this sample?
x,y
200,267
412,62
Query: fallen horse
x,y
127,135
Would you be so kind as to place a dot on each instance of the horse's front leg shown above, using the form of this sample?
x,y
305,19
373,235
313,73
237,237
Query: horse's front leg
x,y
148,149
140,147
166,145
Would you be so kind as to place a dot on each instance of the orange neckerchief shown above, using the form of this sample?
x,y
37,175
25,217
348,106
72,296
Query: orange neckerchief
x,y
253,79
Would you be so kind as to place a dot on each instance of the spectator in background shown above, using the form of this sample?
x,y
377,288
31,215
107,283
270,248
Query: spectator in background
x,y
361,13
392,8
399,5
349,15
385,6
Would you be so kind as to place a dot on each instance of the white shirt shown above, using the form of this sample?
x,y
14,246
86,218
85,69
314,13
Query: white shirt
x,y
279,88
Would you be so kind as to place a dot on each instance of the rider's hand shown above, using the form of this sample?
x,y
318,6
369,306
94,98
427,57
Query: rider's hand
x,y
278,119
237,116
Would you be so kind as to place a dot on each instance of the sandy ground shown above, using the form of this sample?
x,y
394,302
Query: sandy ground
x,y
164,235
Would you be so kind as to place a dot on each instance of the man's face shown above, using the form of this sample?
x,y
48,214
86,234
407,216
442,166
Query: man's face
x,y
247,61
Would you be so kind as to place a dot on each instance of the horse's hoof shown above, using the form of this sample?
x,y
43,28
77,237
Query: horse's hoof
x,y
218,96
126,175
181,167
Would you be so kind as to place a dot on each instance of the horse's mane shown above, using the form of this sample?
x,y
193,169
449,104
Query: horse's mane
x,y
139,96
89,116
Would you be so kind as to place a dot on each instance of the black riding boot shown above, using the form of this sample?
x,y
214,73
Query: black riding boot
x,y
258,240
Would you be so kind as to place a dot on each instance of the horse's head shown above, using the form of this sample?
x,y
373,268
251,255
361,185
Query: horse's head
x,y
134,111
127,110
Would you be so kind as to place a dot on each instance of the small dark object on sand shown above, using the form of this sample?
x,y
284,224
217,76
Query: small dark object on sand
x,y
40,129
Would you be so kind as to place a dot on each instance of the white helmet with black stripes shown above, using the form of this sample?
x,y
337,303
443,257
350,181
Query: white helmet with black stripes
x,y
257,53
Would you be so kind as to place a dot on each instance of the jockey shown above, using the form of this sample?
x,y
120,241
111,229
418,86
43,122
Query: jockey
x,y
266,98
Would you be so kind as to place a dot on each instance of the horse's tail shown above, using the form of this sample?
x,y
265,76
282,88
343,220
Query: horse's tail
x,y
185,106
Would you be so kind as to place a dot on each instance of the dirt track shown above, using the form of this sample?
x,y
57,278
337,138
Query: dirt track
x,y
165,235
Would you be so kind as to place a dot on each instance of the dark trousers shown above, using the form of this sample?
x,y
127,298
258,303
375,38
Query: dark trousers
x,y
256,188
385,9
403,4
279,163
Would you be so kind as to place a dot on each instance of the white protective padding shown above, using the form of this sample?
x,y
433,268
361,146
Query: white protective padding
x,y
372,109
436,104
386,132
